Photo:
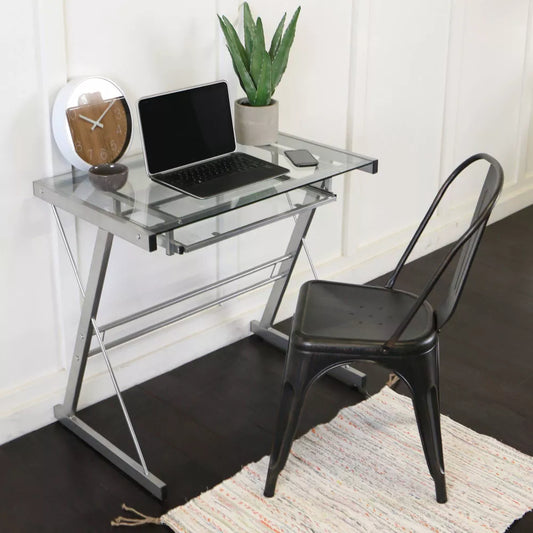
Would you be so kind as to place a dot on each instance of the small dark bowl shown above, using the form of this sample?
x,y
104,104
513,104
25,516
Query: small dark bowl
x,y
108,177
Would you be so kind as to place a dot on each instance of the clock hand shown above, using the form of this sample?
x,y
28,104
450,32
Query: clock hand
x,y
102,115
93,122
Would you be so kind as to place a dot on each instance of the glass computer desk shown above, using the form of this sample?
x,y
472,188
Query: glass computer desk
x,y
150,215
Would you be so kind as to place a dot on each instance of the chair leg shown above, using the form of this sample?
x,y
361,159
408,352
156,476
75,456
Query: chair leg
x,y
292,398
423,379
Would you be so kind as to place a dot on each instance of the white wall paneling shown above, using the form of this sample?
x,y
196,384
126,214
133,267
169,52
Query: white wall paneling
x,y
488,75
401,80
26,280
418,85
489,91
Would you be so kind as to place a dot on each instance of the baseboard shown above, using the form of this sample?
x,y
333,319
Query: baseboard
x,y
381,254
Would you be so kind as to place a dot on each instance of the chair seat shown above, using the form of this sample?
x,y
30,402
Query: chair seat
x,y
346,319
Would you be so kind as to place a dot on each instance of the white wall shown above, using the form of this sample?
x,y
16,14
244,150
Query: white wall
x,y
418,85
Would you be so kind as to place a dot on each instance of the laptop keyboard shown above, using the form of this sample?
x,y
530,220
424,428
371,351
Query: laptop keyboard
x,y
224,166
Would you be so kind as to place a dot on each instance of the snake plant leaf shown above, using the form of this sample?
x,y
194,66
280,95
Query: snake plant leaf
x,y
246,81
237,72
249,29
258,49
276,39
279,64
264,84
234,43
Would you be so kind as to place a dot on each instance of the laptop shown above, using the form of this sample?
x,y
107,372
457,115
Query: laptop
x,y
189,143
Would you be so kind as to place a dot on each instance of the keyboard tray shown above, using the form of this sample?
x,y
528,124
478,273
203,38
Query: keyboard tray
x,y
240,220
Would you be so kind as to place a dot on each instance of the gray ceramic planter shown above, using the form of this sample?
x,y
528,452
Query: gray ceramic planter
x,y
256,126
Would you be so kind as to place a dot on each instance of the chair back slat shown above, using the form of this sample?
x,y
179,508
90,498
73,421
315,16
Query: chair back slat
x,y
487,198
467,245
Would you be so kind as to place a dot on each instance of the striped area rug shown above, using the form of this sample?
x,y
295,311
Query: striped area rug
x,y
365,471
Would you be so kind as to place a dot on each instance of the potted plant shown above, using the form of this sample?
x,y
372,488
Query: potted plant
x,y
259,72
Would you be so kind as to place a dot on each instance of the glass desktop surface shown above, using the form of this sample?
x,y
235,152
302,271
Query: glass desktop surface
x,y
142,208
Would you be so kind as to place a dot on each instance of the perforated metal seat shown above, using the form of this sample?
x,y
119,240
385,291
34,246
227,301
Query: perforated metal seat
x,y
342,317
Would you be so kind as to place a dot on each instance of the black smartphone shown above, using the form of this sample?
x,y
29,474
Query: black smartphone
x,y
301,158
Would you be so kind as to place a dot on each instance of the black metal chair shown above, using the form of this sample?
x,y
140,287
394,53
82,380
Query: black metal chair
x,y
337,323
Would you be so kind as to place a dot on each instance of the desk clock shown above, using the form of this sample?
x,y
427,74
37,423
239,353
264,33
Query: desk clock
x,y
91,122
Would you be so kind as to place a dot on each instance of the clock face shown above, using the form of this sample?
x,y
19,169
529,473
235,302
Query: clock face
x,y
91,121
100,130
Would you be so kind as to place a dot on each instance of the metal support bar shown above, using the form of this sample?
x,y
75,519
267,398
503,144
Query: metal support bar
x,y
349,376
271,335
191,294
188,313
123,461
86,326
304,242
301,226
309,260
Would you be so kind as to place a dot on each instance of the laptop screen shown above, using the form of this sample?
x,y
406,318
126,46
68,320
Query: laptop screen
x,y
186,126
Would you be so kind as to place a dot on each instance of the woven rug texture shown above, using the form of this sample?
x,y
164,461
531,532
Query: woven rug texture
x,y
365,472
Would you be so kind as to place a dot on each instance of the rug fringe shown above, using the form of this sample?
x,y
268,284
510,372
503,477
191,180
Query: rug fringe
x,y
133,522
393,381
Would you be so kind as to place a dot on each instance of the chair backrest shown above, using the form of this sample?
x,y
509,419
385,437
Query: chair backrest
x,y
467,245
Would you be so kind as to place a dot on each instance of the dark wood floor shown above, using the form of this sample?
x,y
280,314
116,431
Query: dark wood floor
x,y
200,423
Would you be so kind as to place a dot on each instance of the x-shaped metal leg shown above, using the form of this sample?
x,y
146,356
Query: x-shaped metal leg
x,y
66,412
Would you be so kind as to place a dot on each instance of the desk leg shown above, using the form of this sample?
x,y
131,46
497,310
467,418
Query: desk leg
x,y
66,412
278,289
91,301
265,329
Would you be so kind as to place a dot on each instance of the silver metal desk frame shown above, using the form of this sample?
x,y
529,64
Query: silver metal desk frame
x,y
281,270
